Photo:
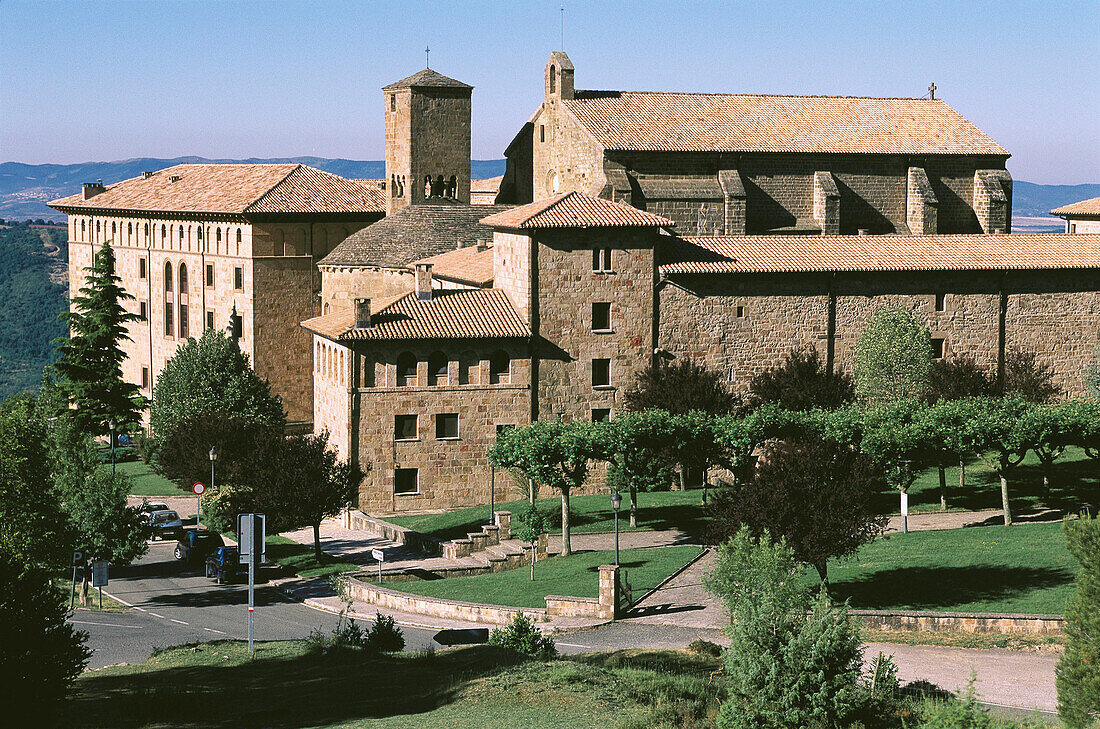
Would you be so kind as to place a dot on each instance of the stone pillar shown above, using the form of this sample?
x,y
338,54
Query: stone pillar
x,y
735,208
920,203
993,200
609,592
826,203
503,520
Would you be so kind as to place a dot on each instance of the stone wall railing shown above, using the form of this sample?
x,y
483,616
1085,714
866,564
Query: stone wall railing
x,y
961,622
356,519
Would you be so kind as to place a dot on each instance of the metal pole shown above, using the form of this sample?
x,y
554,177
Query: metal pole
x,y
101,597
112,452
251,589
492,493
72,595
616,537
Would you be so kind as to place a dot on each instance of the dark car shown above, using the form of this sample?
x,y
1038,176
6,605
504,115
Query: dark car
x,y
224,565
195,545
164,524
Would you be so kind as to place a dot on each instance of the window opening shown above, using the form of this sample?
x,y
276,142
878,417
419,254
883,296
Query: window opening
x,y
601,372
405,481
601,316
446,426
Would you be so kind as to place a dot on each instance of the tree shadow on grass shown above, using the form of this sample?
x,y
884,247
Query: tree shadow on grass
x,y
297,690
946,588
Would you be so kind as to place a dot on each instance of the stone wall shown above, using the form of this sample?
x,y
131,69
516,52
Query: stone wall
x,y
1082,225
562,149
512,268
341,286
283,297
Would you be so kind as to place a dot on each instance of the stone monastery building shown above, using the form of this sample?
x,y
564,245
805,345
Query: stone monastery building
x,y
629,228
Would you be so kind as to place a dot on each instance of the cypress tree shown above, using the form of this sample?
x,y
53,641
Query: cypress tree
x,y
1078,672
90,360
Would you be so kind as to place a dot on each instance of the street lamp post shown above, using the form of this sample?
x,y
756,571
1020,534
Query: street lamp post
x,y
213,457
616,502
112,425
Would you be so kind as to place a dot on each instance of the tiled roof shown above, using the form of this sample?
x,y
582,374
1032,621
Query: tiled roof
x,y
489,184
1085,207
450,314
236,189
427,77
793,253
466,265
657,121
576,210
414,232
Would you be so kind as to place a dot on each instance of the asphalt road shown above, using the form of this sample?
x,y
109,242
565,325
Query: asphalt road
x,y
174,604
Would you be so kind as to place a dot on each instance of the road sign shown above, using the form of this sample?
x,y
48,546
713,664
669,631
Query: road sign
x,y
198,488
378,554
78,557
464,636
99,573
251,529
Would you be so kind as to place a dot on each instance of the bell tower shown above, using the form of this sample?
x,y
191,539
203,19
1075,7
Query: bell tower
x,y
559,77
427,140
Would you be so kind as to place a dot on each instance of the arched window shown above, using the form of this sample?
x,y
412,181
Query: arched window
x,y
437,368
218,235
553,79
366,378
198,229
279,241
83,227
321,246
183,302
163,232
499,368
169,310
112,230
326,309
468,366
146,231
181,236
238,241
452,187
406,370
97,227
129,232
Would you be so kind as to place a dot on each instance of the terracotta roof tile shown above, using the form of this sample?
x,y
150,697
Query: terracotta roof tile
x,y
450,314
657,121
575,210
427,77
235,189
793,253
1085,207
467,265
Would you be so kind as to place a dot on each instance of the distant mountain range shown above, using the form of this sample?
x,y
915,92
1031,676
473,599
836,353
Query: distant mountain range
x,y
25,189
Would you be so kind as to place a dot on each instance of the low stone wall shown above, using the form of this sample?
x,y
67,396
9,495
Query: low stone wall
x,y
356,519
438,607
573,607
961,622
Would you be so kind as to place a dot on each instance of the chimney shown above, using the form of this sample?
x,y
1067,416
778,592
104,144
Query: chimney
x,y
174,178
999,231
91,189
146,174
864,231
362,313
482,245
424,281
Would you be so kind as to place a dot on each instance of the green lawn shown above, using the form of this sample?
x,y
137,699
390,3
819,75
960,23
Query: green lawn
x,y
217,685
576,575
1024,568
656,510
299,559
147,482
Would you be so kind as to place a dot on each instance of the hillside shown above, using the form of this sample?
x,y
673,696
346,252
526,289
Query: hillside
x,y
34,290
25,189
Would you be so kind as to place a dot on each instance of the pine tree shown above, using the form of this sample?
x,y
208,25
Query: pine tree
x,y
1078,672
90,361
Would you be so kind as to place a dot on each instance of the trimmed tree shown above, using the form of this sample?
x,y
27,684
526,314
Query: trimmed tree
x,y
815,494
802,382
209,375
893,357
184,454
996,430
953,379
527,526
89,362
1078,673
554,453
681,387
638,452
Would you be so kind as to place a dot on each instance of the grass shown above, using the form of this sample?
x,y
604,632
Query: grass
x,y
290,685
1024,568
656,510
300,559
147,482
64,586
575,575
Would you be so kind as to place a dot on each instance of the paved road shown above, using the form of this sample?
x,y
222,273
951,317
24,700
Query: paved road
x,y
174,605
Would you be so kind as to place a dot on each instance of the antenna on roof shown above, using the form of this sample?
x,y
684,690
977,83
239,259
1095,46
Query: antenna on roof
x,y
427,50
563,28
932,91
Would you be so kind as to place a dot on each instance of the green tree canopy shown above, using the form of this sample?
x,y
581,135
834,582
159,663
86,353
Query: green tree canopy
x,y
637,448
681,387
528,525
209,375
802,382
90,360
893,357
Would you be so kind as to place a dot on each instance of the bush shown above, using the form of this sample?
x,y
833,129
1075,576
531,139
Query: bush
x,y
1078,672
522,636
705,648
385,636
1027,379
802,382
681,387
893,357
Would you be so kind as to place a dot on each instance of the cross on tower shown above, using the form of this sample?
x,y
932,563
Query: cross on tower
x,y
426,52
932,91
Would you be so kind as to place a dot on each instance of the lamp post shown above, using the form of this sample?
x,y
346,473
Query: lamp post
x,y
213,457
616,502
111,424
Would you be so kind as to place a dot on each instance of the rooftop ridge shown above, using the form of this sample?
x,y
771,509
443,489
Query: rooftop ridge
x,y
274,187
580,92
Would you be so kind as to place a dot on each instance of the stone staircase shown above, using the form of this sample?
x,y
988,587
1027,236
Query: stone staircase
x,y
493,547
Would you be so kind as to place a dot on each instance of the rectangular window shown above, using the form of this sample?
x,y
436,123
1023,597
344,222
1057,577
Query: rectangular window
x,y
209,320
601,260
601,372
404,427
143,311
601,316
405,481
446,426
740,312
144,378
937,348
168,319
941,302
599,415
183,322
542,132
210,275
393,102
238,278
141,268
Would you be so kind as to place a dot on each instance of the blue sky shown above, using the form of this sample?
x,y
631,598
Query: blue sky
x,y
82,81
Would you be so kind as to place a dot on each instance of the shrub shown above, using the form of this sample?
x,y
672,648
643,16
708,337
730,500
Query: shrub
x,y
681,387
384,636
1027,379
893,357
802,382
522,636
705,648
1078,672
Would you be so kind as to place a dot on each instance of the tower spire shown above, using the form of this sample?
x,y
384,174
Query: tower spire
x,y
563,28
427,63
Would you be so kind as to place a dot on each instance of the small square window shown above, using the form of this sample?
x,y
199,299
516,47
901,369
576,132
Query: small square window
x,y
404,427
141,268
144,378
601,316
405,481
937,348
238,278
601,260
941,302
740,312
600,415
210,275
209,320
143,311
446,425
601,372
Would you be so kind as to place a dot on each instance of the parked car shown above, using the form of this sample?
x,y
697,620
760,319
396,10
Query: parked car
x,y
165,524
224,565
195,545
148,507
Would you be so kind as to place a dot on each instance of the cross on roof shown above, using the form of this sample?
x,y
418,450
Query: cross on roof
x,y
426,52
932,91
